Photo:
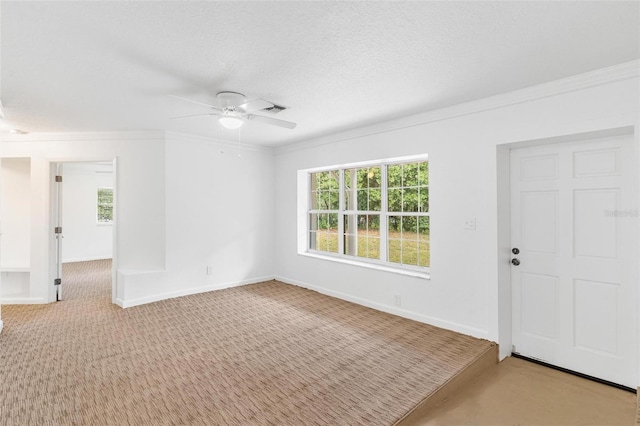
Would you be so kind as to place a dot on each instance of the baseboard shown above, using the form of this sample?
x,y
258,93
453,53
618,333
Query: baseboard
x,y
22,301
186,292
449,325
86,259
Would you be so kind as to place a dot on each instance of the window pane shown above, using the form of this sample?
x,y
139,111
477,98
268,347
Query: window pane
x,y
395,251
362,200
105,213
410,200
332,180
373,248
409,228
326,234
105,196
394,176
374,177
362,236
395,200
334,200
324,190
393,239
409,252
424,253
423,226
423,173
424,245
410,175
424,199
375,202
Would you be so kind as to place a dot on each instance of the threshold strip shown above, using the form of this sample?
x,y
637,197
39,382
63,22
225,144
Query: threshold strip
x,y
574,373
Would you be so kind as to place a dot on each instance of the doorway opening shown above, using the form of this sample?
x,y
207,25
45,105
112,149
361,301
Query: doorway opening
x,y
83,206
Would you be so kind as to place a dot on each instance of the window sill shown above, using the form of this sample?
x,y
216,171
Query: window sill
x,y
369,265
104,223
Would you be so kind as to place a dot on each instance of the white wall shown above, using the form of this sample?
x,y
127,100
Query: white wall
x,y
15,216
182,203
466,291
84,238
219,213
15,212
140,197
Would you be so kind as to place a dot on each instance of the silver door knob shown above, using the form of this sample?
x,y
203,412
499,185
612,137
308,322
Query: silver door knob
x,y
515,262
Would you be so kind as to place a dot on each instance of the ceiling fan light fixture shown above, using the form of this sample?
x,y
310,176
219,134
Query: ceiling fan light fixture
x,y
230,121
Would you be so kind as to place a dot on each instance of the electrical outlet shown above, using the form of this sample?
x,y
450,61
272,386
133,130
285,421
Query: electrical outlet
x,y
397,300
470,223
209,270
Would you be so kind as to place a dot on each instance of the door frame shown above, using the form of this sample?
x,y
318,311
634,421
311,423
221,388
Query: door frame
x,y
503,186
52,222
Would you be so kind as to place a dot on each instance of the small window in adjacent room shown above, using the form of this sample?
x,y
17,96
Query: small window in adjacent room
x,y
377,213
105,205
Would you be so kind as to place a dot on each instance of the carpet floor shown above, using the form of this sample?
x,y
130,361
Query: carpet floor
x,y
262,354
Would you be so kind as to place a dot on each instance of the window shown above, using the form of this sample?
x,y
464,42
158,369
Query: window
x,y
377,213
105,205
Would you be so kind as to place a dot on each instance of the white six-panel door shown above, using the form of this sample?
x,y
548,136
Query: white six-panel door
x,y
574,221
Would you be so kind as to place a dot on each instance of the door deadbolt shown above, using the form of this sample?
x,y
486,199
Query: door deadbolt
x,y
515,250
515,262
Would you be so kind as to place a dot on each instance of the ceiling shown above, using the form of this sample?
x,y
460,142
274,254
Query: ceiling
x,y
101,66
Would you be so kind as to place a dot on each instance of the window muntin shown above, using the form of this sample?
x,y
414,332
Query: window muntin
x,y
377,213
105,205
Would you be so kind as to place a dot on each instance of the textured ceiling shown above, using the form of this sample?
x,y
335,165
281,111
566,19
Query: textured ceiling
x,y
92,66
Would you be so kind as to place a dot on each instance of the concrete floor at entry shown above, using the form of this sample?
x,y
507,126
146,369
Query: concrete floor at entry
x,y
519,392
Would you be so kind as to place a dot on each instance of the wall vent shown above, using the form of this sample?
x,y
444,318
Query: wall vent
x,y
275,109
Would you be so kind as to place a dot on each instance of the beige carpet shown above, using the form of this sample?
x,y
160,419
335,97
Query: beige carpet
x,y
264,354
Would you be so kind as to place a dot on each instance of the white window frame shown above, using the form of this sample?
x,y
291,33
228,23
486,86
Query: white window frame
x,y
98,204
305,211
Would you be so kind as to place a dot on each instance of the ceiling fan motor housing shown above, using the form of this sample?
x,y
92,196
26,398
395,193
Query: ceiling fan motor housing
x,y
230,99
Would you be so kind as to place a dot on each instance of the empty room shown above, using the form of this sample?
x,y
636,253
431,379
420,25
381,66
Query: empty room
x,y
319,212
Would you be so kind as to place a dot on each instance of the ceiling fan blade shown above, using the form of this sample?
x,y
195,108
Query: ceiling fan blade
x,y
194,115
274,121
197,102
255,105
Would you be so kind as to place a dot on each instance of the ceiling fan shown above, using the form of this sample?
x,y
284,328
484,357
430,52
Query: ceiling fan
x,y
234,110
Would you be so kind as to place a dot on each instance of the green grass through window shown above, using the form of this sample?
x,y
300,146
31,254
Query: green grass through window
x,y
404,248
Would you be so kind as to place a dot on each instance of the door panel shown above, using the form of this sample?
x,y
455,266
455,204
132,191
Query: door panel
x,y
539,305
596,316
595,234
539,221
575,289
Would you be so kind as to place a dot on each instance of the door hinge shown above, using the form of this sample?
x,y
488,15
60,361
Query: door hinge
x,y
57,281
58,230
58,178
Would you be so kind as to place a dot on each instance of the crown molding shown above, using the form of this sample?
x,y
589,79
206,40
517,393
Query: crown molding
x,y
190,137
127,136
624,71
82,136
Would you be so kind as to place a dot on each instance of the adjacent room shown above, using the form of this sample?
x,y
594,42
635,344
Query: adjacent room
x,y
322,213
